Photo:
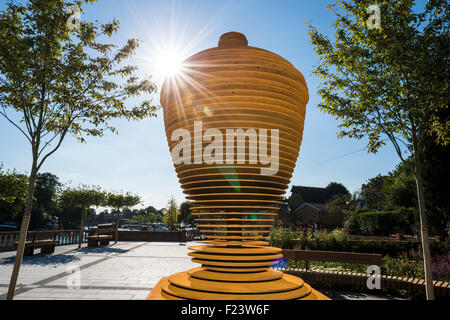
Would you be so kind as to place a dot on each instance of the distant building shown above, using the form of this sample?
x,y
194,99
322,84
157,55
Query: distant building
x,y
307,206
372,196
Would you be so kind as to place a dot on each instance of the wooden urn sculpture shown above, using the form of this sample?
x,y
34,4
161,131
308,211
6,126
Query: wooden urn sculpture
x,y
234,120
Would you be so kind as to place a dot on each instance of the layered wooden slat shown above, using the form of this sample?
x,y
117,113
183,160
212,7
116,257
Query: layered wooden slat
x,y
235,87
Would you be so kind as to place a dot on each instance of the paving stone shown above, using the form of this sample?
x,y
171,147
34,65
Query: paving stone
x,y
106,273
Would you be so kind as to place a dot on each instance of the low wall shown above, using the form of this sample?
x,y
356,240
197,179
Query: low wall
x,y
8,238
160,236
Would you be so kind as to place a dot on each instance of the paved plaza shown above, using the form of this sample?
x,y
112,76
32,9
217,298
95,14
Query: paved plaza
x,y
122,271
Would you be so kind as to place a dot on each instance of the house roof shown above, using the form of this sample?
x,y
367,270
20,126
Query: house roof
x,y
316,206
313,195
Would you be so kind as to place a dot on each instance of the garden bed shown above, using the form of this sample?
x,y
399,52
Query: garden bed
x,y
398,267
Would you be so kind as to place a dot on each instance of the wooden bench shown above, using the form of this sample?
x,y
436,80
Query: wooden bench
x,y
333,256
46,240
102,235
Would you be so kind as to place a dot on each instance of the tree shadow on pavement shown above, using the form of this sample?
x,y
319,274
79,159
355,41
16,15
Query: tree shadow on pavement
x,y
42,259
98,250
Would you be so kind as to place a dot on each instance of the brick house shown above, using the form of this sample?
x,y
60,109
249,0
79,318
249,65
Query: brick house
x,y
307,206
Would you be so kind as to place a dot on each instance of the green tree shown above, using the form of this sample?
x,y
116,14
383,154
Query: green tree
x,y
337,188
46,191
389,81
171,215
57,80
341,204
379,223
160,213
436,176
70,217
13,192
394,190
151,209
45,203
399,187
84,197
146,218
372,193
151,217
118,201
185,213
137,218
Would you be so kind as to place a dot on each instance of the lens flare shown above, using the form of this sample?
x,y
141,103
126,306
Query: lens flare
x,y
168,64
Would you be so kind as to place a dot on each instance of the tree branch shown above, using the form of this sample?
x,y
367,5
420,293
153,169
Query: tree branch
x,y
14,124
54,149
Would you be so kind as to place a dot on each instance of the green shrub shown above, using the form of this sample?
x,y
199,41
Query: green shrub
x,y
337,266
340,235
402,267
338,240
282,237
401,258
378,223
398,267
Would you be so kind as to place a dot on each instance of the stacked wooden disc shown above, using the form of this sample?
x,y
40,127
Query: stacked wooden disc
x,y
234,86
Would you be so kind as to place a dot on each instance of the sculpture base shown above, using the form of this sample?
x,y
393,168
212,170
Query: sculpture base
x,y
183,286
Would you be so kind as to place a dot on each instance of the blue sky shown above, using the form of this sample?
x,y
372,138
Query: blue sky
x,y
138,159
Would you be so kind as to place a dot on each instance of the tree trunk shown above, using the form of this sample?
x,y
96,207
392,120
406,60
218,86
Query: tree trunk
x,y
23,231
429,288
80,238
116,238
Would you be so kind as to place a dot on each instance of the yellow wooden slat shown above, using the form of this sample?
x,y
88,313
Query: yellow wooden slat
x,y
246,249
205,274
232,214
237,220
236,264
286,283
236,243
234,226
234,237
235,86
235,258
238,232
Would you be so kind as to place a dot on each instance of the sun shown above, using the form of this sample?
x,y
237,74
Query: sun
x,y
168,64
164,62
